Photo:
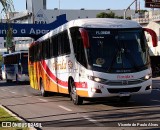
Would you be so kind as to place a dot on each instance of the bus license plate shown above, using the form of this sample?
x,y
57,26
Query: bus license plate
x,y
124,94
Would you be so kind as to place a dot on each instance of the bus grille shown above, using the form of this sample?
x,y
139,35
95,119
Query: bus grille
x,y
121,90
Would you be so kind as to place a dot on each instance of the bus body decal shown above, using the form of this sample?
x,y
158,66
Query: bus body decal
x,y
79,85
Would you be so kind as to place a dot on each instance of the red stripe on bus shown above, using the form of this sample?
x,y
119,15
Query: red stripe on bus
x,y
48,71
60,82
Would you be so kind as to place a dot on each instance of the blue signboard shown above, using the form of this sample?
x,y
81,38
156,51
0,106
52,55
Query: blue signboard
x,y
31,30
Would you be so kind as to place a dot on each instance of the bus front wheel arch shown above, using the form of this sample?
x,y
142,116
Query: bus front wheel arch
x,y
77,100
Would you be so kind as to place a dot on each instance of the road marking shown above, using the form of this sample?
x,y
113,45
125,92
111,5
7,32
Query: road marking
x,y
3,89
42,100
93,121
12,92
65,108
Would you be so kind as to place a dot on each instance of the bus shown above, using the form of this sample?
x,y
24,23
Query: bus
x,y
16,66
92,58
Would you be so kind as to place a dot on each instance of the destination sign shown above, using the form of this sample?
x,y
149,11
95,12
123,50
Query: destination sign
x,y
152,1
152,5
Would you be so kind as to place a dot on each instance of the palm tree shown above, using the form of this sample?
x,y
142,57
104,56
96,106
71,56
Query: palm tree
x,y
8,7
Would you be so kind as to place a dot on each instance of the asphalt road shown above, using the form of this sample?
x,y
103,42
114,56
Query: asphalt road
x,y
58,112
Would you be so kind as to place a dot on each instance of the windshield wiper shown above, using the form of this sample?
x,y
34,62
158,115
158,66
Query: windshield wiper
x,y
112,61
131,59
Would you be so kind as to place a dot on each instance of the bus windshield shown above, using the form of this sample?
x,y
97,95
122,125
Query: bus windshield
x,y
117,50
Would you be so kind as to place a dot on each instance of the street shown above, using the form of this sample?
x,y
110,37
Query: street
x,y
59,112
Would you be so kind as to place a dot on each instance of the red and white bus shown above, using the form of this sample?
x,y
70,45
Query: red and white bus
x,y
92,58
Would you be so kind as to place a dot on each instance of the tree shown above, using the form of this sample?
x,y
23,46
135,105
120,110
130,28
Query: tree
x,y
8,7
108,15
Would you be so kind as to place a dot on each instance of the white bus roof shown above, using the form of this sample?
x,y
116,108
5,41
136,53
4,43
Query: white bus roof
x,y
94,23
17,52
104,23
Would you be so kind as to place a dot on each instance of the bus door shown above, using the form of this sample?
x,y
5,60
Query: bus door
x,y
62,74
32,66
62,61
24,63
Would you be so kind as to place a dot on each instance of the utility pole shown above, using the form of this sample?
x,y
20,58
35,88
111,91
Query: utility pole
x,y
59,7
125,11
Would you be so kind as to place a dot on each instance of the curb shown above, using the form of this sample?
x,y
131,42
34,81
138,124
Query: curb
x,y
15,116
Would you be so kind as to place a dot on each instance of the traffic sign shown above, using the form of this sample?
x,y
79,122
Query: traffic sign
x,y
152,3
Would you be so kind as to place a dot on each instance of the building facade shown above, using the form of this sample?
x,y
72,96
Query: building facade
x,y
36,12
151,19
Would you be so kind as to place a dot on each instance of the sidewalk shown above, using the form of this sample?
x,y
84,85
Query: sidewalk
x,y
156,78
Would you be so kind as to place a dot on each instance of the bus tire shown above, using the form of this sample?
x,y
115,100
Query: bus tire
x,y
125,98
77,100
43,92
8,80
17,81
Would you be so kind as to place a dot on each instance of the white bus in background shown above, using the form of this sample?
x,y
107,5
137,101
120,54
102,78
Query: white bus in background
x,y
16,66
93,58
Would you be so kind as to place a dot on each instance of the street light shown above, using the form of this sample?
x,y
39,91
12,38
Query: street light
x,y
128,8
59,7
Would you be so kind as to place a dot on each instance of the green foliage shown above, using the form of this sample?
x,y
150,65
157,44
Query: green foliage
x,y
6,117
108,15
0,60
141,11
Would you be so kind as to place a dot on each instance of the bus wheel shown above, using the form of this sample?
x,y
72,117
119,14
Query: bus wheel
x,y
7,80
125,98
43,92
77,100
17,81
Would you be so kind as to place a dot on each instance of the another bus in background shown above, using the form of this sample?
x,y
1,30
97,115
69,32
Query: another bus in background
x,y
16,66
3,72
93,58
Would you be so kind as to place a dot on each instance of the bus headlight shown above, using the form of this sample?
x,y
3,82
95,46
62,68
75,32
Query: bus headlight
x,y
148,76
96,79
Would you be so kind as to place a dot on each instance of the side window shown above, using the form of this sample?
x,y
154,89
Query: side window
x,y
43,49
54,46
60,44
78,46
47,42
66,43
35,53
39,51
31,54
63,43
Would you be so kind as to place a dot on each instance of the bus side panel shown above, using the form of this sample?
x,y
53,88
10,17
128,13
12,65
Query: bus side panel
x,y
32,75
82,93
50,83
59,83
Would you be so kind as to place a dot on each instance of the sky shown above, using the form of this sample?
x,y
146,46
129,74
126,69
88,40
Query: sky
x,y
78,4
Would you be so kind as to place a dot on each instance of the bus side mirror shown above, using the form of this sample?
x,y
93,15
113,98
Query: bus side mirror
x,y
154,36
85,38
